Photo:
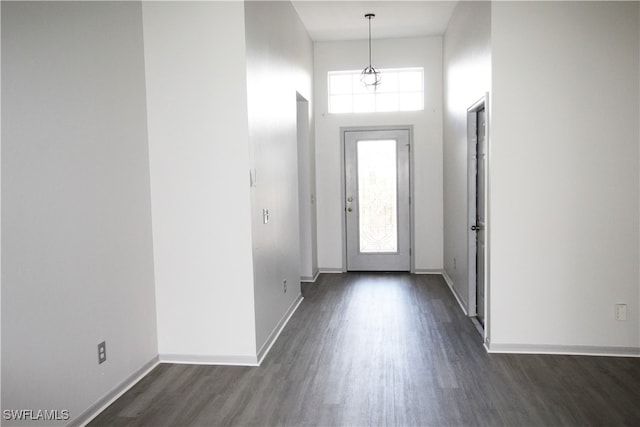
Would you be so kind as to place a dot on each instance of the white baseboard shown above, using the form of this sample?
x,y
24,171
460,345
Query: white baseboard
x,y
453,291
308,279
192,359
427,271
264,350
101,404
235,360
331,270
577,350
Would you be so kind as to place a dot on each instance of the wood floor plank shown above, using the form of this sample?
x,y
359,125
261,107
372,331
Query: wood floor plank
x,y
385,349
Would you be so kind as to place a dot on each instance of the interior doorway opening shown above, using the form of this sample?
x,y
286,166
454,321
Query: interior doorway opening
x,y
477,138
306,193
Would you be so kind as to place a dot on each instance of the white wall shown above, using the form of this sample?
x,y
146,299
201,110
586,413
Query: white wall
x,y
76,215
467,76
427,144
564,175
279,64
199,157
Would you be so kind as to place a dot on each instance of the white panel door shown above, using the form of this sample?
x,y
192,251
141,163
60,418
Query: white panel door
x,y
377,205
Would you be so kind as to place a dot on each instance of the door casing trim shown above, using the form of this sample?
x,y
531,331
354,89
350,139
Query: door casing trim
x,y
343,179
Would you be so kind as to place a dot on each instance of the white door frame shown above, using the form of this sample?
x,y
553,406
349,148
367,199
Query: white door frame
x,y
472,311
343,205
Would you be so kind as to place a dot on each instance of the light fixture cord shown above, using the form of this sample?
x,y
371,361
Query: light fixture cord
x,y
369,41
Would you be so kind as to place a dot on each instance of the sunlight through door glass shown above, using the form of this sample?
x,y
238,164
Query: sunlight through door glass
x,y
377,196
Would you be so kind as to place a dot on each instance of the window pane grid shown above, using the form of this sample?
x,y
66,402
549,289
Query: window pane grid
x,y
399,90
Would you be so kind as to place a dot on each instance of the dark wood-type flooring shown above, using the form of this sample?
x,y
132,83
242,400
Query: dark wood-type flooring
x,y
385,350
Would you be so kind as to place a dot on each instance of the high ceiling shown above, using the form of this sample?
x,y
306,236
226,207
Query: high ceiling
x,y
344,20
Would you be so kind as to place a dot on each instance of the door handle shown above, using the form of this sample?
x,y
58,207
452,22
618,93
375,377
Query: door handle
x,y
476,228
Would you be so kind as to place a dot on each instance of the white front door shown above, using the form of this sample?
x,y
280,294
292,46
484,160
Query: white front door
x,y
377,205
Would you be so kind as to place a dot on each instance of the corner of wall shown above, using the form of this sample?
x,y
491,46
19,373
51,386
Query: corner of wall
x,y
554,264
467,65
77,258
275,27
199,165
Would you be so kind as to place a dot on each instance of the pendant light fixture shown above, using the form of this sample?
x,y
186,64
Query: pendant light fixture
x,y
370,76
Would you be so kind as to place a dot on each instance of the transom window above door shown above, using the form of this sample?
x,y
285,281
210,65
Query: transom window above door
x,y
400,89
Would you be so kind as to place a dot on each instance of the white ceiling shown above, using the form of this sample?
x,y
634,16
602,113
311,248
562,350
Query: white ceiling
x,y
332,20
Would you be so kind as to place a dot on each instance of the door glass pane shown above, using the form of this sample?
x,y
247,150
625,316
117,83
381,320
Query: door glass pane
x,y
377,199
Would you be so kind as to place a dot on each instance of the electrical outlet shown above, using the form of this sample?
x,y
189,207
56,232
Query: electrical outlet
x,y
454,263
265,216
621,311
102,352
284,286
